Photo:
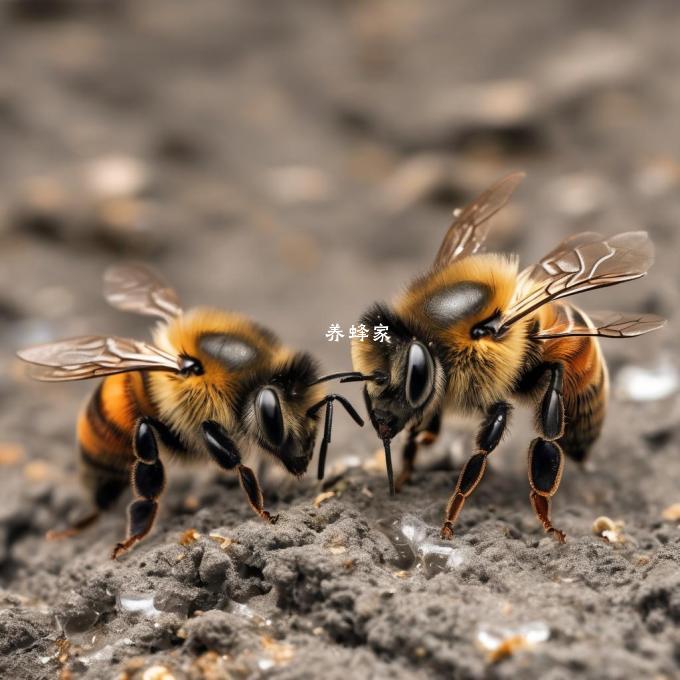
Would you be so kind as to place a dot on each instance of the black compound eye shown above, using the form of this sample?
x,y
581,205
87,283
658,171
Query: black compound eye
x,y
419,375
190,366
269,417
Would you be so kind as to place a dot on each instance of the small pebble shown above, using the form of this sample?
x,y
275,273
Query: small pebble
x,y
672,513
322,497
188,537
157,673
608,529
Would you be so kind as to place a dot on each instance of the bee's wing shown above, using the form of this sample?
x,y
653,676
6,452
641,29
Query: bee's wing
x,y
605,324
578,265
92,356
467,233
536,272
134,287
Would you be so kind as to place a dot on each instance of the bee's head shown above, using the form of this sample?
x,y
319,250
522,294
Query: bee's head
x,y
404,374
238,374
276,412
445,338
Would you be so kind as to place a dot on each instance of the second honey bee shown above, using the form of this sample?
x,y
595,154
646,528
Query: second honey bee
x,y
474,333
213,384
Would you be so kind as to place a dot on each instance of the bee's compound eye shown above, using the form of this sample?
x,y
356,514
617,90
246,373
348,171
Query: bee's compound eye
x,y
269,417
419,375
190,366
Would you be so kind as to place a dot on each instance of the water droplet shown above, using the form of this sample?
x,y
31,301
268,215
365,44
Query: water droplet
x,y
141,603
413,529
415,543
436,557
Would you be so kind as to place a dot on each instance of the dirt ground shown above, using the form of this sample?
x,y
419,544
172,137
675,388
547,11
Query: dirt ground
x,y
296,161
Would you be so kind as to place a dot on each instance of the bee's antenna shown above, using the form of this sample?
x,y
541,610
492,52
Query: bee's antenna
x,y
388,464
385,439
327,428
345,376
328,424
359,377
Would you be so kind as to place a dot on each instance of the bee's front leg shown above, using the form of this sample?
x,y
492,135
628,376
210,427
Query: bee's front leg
x,y
148,482
490,433
225,453
546,459
252,488
417,436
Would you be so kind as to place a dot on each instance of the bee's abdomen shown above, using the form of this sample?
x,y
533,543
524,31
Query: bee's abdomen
x,y
584,416
106,426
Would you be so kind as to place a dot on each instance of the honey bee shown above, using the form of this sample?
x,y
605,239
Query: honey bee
x,y
474,333
212,384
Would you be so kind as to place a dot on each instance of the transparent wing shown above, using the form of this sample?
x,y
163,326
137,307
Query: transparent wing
x,y
467,233
135,288
580,264
605,324
536,272
94,356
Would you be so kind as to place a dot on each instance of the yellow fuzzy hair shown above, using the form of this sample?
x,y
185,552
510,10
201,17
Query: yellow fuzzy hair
x,y
185,402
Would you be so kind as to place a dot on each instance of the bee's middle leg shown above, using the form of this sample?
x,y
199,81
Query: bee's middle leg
x,y
225,453
148,482
490,433
416,437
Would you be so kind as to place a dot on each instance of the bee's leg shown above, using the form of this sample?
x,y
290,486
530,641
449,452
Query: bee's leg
x,y
106,483
546,459
546,462
490,433
148,482
251,486
408,458
73,529
550,416
225,453
417,436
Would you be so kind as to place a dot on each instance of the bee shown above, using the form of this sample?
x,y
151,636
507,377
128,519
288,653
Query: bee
x,y
474,333
212,384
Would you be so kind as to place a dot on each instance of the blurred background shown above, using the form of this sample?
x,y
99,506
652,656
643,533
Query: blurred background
x,y
295,161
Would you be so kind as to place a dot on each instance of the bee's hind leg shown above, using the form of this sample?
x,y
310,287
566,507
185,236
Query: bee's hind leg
x,y
148,482
73,529
546,462
224,452
107,485
415,438
546,459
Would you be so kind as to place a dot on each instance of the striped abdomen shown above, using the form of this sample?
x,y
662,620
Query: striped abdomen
x,y
586,382
105,430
